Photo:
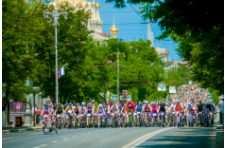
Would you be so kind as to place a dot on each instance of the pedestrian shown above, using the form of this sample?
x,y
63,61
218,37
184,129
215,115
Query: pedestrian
x,y
221,111
34,109
37,115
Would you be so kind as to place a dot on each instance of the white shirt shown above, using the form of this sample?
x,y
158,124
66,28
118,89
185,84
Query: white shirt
x,y
33,109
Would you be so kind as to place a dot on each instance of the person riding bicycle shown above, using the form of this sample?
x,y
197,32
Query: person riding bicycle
x,y
82,111
178,108
89,111
45,112
115,110
154,111
59,112
101,113
200,108
212,110
146,109
68,110
163,109
139,110
130,108
77,111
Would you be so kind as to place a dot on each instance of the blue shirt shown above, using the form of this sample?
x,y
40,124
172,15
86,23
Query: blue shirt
x,y
139,108
222,106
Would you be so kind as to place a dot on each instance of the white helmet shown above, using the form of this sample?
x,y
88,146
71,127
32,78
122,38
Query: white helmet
x,y
82,103
128,100
146,101
100,105
73,107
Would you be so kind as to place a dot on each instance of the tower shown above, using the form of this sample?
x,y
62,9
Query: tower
x,y
150,33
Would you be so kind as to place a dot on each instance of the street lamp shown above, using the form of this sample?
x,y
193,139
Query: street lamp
x,y
56,15
35,89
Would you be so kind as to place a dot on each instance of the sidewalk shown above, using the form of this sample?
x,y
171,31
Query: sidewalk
x,y
20,129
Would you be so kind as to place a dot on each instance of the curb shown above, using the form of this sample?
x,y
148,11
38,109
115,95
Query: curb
x,y
20,130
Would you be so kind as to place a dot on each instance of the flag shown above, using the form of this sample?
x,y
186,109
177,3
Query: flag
x,y
61,72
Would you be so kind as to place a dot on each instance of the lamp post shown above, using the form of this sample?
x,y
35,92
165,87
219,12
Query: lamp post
x,y
56,15
35,89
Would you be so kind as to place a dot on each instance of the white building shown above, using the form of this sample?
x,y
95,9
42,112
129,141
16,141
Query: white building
x,y
94,23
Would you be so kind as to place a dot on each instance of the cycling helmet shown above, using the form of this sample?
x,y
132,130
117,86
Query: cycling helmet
x,y
100,105
128,100
46,104
73,107
77,104
89,104
70,103
146,102
59,104
54,105
67,103
82,103
153,103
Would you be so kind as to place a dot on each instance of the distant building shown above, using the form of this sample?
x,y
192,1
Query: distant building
x,y
162,53
94,23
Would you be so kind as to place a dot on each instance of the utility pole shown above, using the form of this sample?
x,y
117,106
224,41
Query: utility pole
x,y
56,15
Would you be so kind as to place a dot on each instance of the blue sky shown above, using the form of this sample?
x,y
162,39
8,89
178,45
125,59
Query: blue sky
x,y
130,28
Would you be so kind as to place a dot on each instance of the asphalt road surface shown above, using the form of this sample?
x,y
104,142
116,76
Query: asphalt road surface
x,y
140,137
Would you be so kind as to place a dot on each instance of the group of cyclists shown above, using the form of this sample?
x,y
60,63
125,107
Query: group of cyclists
x,y
121,114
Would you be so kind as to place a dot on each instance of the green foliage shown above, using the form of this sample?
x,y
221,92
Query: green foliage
x,y
198,32
16,59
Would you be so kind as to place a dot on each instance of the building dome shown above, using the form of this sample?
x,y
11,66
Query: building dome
x,y
97,6
114,29
93,4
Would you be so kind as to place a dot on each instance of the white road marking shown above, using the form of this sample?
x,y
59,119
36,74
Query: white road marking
x,y
143,138
40,146
54,141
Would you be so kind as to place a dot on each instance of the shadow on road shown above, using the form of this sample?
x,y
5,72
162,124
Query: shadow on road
x,y
187,138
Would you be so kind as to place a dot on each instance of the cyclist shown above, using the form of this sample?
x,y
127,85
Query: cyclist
x,y
200,115
101,113
59,113
147,110
106,112
122,111
77,112
68,110
45,112
162,111
53,113
154,111
195,109
115,110
130,108
206,111
178,108
89,111
139,110
82,111
212,110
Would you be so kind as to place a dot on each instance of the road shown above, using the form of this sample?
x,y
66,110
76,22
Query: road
x,y
140,137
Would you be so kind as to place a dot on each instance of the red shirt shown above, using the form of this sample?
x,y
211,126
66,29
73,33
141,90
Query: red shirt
x,y
38,111
130,106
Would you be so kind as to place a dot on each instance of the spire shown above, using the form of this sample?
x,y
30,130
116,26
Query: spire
x,y
149,33
114,30
97,6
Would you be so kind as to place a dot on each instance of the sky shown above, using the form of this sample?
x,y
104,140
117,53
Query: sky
x,y
130,28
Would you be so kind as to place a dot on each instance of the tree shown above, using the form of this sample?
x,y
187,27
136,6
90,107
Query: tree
x,y
85,70
198,32
139,68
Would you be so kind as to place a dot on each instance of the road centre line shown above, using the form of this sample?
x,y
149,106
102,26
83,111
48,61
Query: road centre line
x,y
40,146
143,138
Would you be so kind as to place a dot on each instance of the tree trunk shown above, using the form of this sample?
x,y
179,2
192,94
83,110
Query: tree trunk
x,y
7,106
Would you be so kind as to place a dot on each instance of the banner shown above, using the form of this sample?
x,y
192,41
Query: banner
x,y
161,87
172,89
